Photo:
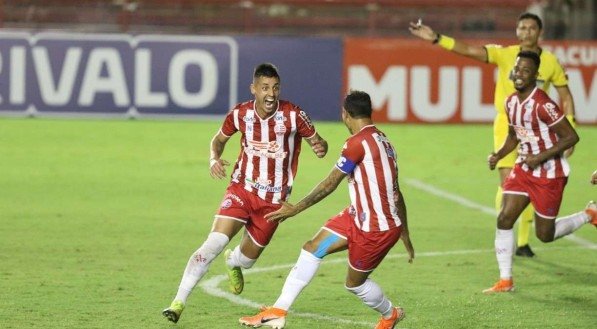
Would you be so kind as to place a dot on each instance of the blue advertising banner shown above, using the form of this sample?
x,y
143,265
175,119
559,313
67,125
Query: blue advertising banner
x,y
161,74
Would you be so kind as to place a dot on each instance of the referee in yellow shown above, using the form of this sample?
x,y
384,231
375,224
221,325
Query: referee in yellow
x,y
528,31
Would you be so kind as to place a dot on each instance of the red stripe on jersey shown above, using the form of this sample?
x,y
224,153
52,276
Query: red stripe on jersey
x,y
373,182
268,160
531,119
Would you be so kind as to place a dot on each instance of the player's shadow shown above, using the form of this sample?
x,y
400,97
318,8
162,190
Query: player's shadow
x,y
562,273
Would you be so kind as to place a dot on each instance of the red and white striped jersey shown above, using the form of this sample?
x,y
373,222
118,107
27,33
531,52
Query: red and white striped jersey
x,y
268,159
531,119
369,160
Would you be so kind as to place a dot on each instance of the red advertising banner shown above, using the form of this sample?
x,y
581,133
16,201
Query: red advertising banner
x,y
416,82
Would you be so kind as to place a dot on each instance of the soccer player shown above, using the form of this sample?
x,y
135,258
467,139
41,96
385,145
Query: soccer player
x,y
368,228
271,133
528,31
540,174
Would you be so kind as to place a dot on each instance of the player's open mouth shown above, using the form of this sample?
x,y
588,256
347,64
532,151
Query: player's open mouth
x,y
270,103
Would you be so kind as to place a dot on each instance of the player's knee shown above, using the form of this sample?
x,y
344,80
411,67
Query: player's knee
x,y
505,221
310,246
545,237
213,246
322,247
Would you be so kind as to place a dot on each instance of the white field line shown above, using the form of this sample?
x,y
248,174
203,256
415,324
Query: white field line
x,y
210,286
484,209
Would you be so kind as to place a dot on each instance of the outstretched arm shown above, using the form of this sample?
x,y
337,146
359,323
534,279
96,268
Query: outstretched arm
x,y
427,33
323,189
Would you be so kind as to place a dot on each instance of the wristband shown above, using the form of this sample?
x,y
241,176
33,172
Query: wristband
x,y
446,42
212,162
571,119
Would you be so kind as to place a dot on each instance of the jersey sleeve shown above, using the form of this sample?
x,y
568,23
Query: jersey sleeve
x,y
304,124
493,53
352,154
228,126
550,113
560,78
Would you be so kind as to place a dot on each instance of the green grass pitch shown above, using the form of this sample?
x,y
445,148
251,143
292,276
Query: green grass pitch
x,y
98,219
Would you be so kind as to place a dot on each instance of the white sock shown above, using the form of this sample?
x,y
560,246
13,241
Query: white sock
x,y
370,293
299,277
569,224
504,248
199,263
238,259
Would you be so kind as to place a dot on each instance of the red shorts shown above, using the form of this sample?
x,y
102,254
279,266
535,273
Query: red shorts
x,y
366,250
246,207
545,193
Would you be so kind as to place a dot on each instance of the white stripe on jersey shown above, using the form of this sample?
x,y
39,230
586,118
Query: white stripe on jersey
x,y
352,193
549,165
383,225
291,147
374,188
534,146
236,173
279,165
249,137
358,180
236,123
263,161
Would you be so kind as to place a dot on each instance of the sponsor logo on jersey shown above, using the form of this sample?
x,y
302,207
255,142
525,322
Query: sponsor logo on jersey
x,y
279,117
524,135
226,204
306,118
249,119
550,108
352,211
363,216
259,185
280,129
271,149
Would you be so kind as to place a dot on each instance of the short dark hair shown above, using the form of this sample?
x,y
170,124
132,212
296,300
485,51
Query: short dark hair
x,y
533,17
266,70
532,56
358,104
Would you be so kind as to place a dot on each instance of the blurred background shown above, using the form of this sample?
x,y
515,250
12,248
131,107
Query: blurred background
x,y
196,57
570,19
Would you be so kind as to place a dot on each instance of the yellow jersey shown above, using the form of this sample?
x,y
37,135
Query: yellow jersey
x,y
550,72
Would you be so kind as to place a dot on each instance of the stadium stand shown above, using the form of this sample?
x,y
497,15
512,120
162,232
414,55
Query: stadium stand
x,y
284,17
460,18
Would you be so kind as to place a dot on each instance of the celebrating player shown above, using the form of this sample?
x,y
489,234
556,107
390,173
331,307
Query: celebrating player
x,y
271,133
528,31
540,172
368,228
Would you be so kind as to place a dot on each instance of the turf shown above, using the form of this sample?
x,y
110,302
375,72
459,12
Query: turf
x,y
98,219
